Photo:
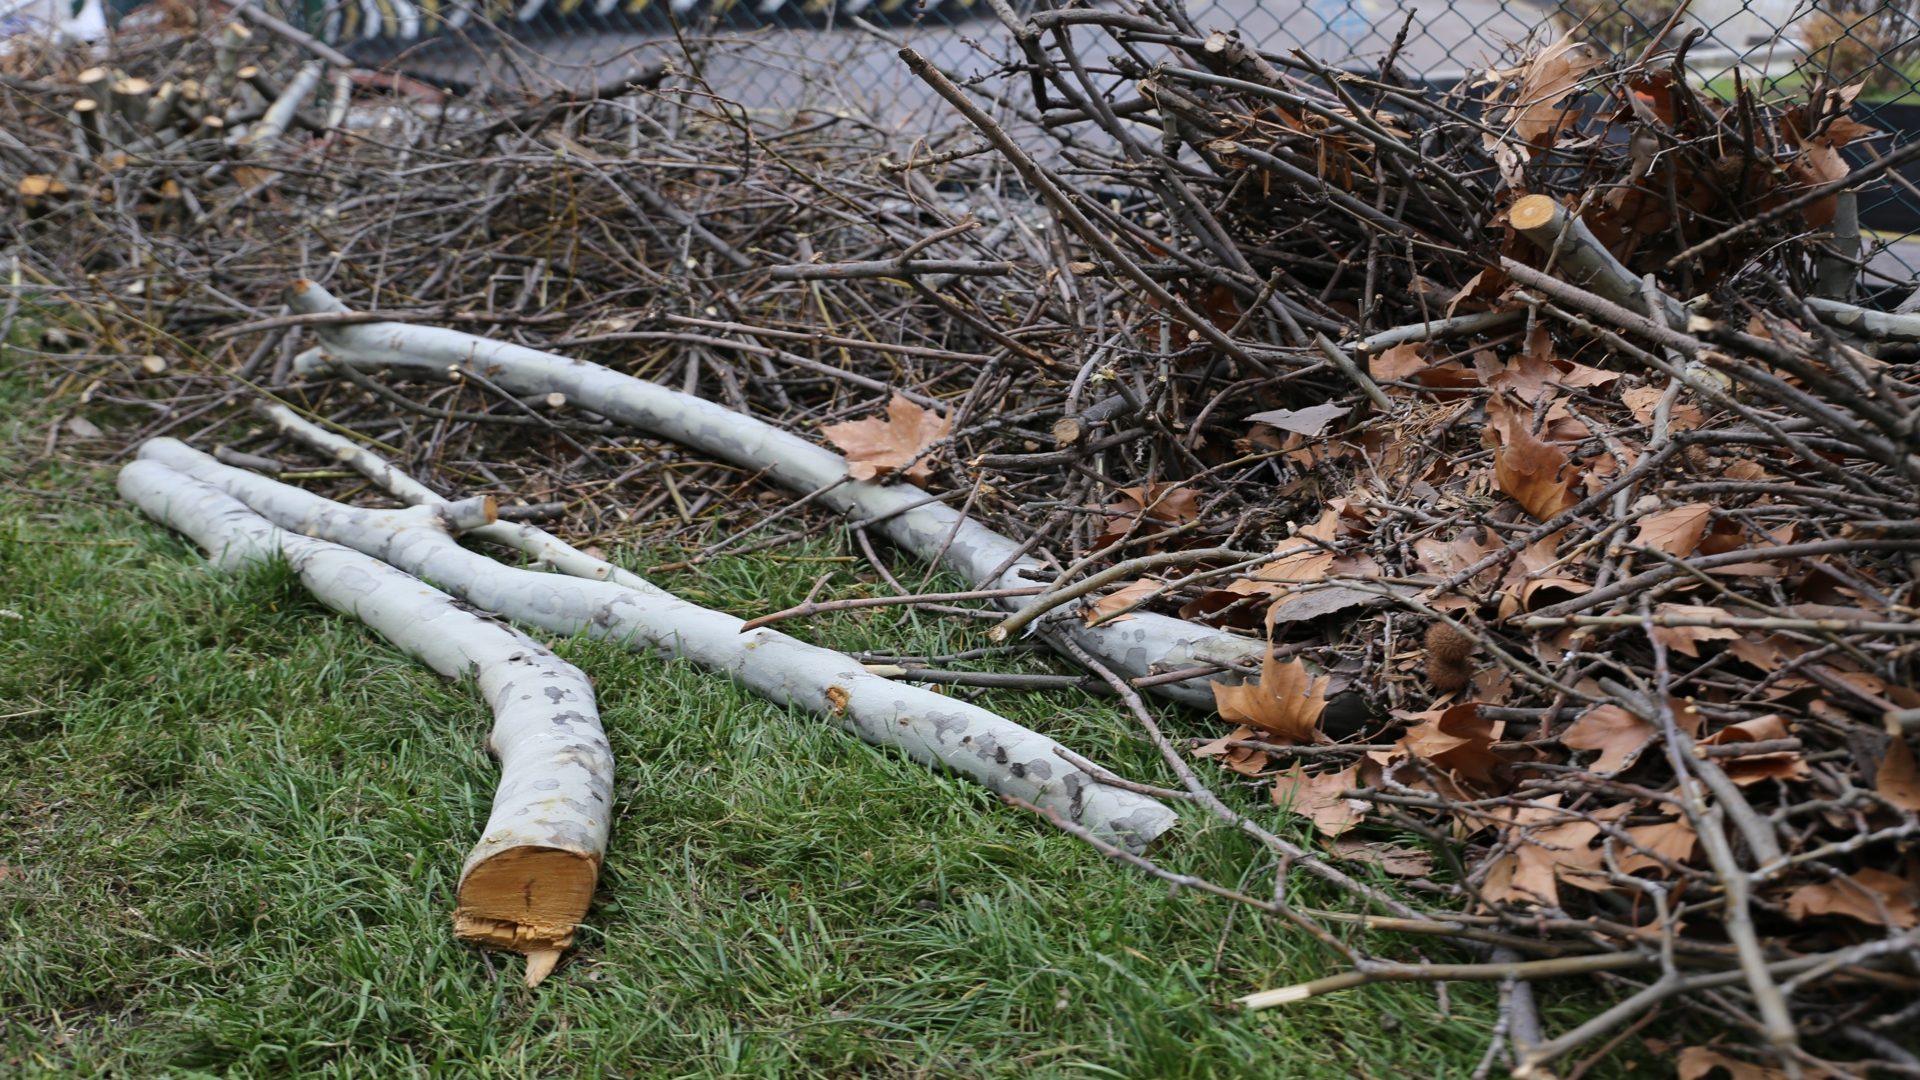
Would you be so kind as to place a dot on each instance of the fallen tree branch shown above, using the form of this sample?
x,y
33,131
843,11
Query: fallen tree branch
x,y
528,882
1144,645
931,728
530,540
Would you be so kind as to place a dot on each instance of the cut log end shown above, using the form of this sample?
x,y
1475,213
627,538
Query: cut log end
x,y
528,899
1533,212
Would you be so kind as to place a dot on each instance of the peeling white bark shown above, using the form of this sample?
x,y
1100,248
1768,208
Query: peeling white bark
x,y
530,879
1145,644
929,727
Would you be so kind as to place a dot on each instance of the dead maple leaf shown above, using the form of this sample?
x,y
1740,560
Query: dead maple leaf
x,y
1538,475
1898,781
1286,702
1400,363
1159,505
1868,895
1546,846
1107,608
1643,401
1753,768
1322,798
1244,760
1553,74
876,447
1698,1063
1398,861
1676,531
1307,563
1819,161
1616,733
1686,639
1670,840
1456,739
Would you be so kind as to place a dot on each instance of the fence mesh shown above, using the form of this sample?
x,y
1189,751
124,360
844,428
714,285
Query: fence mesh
x,y
841,54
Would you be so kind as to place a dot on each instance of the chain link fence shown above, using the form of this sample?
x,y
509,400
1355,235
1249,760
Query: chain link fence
x,y
841,54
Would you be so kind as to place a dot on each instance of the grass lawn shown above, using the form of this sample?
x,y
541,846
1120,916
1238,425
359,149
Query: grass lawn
x,y
230,824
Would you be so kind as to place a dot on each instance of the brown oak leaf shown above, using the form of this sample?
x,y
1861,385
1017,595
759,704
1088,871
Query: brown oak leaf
x,y
876,447
1753,768
1699,1062
1153,506
1687,639
1547,845
1456,739
1244,760
1671,840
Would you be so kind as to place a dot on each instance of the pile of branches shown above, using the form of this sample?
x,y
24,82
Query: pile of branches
x,y
1526,473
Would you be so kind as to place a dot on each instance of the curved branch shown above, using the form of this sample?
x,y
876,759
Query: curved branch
x,y
528,882
1143,645
931,728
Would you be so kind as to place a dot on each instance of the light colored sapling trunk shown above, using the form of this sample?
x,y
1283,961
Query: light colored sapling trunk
x,y
929,727
1142,645
528,882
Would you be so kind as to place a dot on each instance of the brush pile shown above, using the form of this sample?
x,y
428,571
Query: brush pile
x,y
1527,474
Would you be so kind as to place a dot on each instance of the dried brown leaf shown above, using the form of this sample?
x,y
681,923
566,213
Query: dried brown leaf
x,y
1686,639
1322,798
875,447
1676,531
1456,739
1538,475
1395,860
1286,701
1898,781
1868,895
1160,505
1672,840
1105,608
1244,760
1699,1062
1641,401
1308,564
1547,846
1753,768
1619,735
1400,363
1552,74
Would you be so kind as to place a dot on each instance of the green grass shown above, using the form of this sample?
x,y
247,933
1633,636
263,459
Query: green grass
x,y
231,823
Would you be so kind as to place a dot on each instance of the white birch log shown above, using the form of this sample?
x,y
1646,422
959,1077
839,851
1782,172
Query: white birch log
x,y
528,882
534,542
931,728
1876,325
1145,644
